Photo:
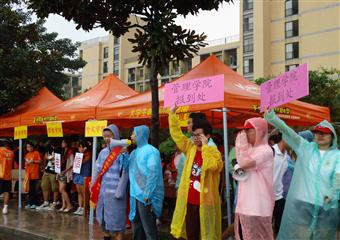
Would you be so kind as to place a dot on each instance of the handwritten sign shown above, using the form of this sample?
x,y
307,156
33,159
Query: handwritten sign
x,y
196,91
54,129
20,132
285,88
95,128
78,159
57,162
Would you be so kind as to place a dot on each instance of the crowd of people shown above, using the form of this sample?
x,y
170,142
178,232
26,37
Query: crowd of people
x,y
286,185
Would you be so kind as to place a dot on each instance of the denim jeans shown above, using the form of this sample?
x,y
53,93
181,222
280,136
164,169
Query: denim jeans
x,y
144,224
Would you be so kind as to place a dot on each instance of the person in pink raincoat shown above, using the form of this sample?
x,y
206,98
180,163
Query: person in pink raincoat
x,y
255,199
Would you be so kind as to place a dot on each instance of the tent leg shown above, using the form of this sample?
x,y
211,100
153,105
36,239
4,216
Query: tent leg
x,y
226,162
20,174
94,157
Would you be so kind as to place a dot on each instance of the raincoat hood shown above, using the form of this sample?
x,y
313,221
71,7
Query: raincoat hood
x,y
142,135
328,125
114,129
308,135
261,128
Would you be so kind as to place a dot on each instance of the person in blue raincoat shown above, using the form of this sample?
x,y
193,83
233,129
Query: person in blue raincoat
x,y
146,185
311,210
112,201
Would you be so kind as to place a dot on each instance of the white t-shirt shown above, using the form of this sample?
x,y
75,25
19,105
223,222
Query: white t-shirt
x,y
322,152
279,168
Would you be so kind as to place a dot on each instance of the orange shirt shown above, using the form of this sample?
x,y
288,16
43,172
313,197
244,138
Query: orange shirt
x,y
6,163
33,169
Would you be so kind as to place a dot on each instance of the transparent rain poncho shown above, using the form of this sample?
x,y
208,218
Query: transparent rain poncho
x,y
311,210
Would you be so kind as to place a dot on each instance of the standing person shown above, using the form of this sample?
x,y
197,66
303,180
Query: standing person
x,y
49,179
6,163
255,196
311,210
85,171
109,186
146,185
198,207
32,174
65,177
281,159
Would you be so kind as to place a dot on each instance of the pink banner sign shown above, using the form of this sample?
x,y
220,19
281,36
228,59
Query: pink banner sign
x,y
285,88
195,91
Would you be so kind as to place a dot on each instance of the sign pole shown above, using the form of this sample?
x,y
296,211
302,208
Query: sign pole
x,y
94,157
226,162
20,173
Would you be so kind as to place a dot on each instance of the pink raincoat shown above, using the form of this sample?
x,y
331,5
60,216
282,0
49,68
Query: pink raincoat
x,y
255,199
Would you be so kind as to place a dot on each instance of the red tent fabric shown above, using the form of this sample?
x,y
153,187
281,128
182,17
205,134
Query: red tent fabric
x,y
44,99
241,98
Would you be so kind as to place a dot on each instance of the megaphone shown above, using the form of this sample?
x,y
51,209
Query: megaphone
x,y
239,174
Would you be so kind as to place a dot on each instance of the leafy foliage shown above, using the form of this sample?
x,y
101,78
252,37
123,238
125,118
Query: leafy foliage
x,y
30,58
158,39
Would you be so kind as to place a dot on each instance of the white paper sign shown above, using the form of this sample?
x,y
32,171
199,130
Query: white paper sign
x,y
78,159
57,162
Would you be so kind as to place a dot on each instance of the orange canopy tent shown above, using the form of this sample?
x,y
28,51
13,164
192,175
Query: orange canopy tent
x,y
42,100
241,98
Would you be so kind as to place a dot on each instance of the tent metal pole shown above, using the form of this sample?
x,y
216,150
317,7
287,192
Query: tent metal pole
x,y
94,157
20,174
226,162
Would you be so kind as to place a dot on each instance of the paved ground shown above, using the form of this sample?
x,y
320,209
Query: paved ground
x,y
42,225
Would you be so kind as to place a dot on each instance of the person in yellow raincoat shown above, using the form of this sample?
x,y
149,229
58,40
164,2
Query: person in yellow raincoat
x,y
198,208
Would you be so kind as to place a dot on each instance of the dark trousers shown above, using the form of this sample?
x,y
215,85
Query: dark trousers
x,y
277,214
192,222
144,225
33,194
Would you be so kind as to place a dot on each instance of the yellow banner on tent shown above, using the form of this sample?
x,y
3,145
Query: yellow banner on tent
x,y
20,132
95,128
54,129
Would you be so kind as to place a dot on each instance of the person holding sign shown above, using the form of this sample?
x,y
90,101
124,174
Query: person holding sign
x,y
85,171
311,210
255,195
146,185
109,186
32,175
6,162
198,208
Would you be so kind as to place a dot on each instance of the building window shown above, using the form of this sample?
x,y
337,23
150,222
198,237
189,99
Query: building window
x,y
247,5
106,52
292,50
81,52
233,60
141,73
105,67
248,45
189,64
131,75
248,24
292,7
141,88
204,56
116,54
165,71
248,66
292,29
165,80
116,68
291,67
218,55
132,86
116,41
75,81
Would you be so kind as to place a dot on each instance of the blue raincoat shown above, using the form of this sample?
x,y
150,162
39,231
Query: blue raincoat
x,y
145,173
311,210
112,202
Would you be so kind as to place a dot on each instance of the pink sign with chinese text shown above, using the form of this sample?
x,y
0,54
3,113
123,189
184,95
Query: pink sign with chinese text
x,y
195,91
285,88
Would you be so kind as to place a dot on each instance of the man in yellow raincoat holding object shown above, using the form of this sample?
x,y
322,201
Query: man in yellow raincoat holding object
x,y
198,208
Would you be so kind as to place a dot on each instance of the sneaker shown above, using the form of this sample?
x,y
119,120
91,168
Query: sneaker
x,y
52,206
5,210
33,206
79,211
28,206
43,206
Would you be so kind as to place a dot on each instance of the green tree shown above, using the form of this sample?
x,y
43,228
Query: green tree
x,y
158,40
30,58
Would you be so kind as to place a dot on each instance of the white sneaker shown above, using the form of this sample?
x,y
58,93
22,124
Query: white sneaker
x,y
80,211
52,206
33,207
43,206
27,206
5,210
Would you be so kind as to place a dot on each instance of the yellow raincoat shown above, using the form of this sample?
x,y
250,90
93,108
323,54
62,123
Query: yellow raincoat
x,y
210,206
